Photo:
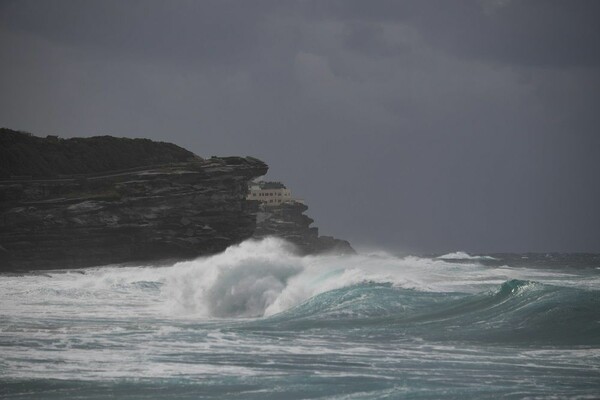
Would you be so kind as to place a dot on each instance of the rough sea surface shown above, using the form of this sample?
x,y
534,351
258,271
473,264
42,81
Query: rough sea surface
x,y
257,322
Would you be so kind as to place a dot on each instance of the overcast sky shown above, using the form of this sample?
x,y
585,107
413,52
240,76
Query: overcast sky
x,y
422,126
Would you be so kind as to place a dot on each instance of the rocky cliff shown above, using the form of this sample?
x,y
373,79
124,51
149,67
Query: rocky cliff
x,y
124,201
288,221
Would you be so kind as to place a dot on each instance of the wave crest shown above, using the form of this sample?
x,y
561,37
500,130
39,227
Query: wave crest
x,y
461,255
240,282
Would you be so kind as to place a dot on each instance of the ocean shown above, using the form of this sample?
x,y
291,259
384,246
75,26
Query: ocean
x,y
258,322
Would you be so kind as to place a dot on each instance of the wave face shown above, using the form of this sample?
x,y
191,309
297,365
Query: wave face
x,y
259,322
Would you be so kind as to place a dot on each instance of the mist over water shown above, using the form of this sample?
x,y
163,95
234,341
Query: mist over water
x,y
257,321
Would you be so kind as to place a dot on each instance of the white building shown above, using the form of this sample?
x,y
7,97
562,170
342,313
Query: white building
x,y
269,193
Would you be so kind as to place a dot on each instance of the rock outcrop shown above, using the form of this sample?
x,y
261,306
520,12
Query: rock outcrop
x,y
288,221
183,208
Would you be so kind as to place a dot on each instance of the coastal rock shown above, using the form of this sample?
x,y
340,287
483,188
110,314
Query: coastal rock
x,y
288,221
182,208
73,203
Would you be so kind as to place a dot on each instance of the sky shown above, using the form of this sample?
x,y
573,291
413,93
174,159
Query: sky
x,y
414,126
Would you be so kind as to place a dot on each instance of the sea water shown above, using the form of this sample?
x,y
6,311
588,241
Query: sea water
x,y
258,322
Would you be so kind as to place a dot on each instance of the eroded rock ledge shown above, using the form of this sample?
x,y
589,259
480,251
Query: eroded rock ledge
x,y
288,221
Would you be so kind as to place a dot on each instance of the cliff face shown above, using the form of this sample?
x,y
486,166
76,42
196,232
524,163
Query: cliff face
x,y
73,203
177,210
288,221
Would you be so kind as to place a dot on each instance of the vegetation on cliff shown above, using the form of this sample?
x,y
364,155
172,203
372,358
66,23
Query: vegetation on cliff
x,y
22,154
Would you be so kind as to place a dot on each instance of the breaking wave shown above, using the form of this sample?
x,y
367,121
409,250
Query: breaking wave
x,y
461,255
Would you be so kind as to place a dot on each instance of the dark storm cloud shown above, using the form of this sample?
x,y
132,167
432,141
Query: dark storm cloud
x,y
537,33
530,32
213,32
427,125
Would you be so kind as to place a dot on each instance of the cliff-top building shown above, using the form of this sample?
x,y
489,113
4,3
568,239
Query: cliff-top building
x,y
270,193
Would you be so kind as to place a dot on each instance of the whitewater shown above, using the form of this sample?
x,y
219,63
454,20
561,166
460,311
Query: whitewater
x,y
259,322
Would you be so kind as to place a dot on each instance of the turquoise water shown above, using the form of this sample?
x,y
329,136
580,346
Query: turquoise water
x,y
257,322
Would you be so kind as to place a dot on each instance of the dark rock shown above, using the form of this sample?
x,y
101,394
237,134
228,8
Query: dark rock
x,y
288,221
179,209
